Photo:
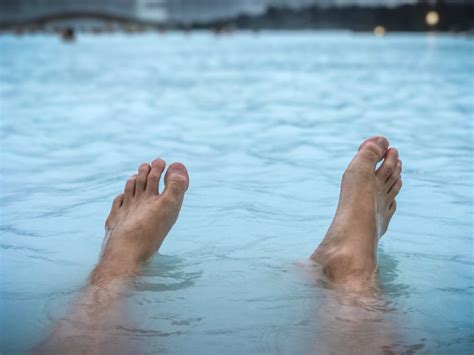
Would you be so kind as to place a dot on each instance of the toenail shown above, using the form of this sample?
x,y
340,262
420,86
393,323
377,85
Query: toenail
x,y
382,142
144,166
158,162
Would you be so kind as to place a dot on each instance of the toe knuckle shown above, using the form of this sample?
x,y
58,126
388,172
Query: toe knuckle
x,y
170,200
177,181
364,173
153,176
373,149
397,186
389,169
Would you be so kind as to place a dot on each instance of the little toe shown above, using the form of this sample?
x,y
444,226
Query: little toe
x,y
117,203
393,207
143,171
153,180
388,166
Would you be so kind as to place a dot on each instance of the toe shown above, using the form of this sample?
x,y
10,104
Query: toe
x,y
393,207
153,180
373,150
140,186
176,182
117,203
129,189
395,189
388,166
397,171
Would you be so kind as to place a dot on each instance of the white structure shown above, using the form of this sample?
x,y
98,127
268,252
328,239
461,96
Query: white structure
x,y
151,10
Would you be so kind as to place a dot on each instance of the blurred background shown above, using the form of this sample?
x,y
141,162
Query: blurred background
x,y
227,15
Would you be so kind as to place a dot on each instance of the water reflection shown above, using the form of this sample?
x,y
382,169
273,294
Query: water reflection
x,y
388,272
166,273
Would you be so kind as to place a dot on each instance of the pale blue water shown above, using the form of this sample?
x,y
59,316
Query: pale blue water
x,y
266,124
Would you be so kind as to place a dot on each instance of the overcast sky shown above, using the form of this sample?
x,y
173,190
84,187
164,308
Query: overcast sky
x,y
189,10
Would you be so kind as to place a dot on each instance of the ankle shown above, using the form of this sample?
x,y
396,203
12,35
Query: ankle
x,y
109,270
343,265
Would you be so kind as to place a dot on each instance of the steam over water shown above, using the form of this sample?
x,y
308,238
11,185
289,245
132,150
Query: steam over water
x,y
266,124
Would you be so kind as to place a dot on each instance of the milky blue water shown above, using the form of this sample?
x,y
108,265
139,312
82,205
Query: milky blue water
x,y
266,124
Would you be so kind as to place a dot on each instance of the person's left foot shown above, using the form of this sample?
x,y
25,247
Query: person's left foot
x,y
141,218
366,206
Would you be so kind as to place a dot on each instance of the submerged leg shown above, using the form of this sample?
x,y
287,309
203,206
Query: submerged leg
x,y
355,313
348,253
138,223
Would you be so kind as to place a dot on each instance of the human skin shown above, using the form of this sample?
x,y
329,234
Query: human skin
x,y
348,252
355,314
137,225
141,217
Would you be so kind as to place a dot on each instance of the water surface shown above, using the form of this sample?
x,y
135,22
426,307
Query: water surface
x,y
266,124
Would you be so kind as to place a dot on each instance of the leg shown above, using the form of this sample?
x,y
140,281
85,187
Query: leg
x,y
366,204
355,316
138,223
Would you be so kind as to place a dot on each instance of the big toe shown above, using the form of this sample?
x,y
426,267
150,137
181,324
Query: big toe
x,y
372,150
176,182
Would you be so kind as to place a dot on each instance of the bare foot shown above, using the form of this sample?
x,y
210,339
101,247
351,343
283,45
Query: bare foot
x,y
366,204
140,219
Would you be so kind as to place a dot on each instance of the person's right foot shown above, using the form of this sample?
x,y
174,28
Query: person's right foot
x,y
366,204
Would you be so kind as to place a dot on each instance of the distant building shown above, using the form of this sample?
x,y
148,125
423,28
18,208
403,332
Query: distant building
x,y
207,10
151,10
172,11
